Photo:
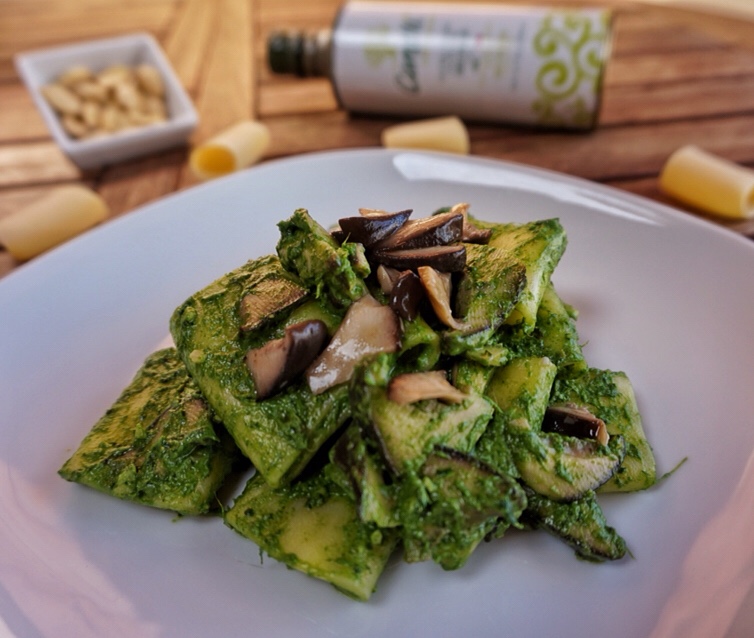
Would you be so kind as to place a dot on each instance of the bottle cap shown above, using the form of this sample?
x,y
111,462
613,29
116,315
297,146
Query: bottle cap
x,y
285,52
299,53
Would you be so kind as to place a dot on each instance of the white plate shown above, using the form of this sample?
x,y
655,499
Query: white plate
x,y
663,296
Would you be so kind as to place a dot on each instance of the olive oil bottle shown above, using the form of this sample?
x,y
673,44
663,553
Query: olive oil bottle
x,y
535,66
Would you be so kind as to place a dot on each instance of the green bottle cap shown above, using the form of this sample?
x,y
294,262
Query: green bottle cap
x,y
285,52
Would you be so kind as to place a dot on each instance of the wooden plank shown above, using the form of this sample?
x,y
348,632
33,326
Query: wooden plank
x,y
7,263
322,131
668,101
130,185
7,71
68,23
298,96
678,66
34,163
273,13
187,41
226,93
674,78
19,119
624,152
653,31
734,32
36,7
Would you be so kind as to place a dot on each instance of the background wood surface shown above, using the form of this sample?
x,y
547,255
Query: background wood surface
x,y
675,77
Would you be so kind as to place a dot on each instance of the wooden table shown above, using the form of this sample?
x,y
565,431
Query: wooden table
x,y
675,77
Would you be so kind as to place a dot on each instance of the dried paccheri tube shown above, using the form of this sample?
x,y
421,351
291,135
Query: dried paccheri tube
x,y
438,134
58,215
234,148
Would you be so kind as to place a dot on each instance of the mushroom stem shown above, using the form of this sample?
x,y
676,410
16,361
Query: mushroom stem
x,y
417,386
438,288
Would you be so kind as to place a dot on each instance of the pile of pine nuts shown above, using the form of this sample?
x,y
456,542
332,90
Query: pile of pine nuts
x,y
119,97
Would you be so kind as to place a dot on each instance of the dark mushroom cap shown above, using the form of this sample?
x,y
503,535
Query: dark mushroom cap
x,y
437,230
280,361
406,295
450,258
374,227
574,421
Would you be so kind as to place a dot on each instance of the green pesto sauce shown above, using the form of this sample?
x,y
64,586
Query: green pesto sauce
x,y
450,504
420,346
609,396
487,292
539,246
158,444
280,434
554,336
580,523
333,272
312,525
407,432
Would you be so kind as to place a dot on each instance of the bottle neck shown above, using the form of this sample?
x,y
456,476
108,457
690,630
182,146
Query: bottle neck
x,y
305,54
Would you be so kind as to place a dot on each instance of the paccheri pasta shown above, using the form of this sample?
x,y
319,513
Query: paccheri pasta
x,y
437,134
395,382
236,147
709,183
57,216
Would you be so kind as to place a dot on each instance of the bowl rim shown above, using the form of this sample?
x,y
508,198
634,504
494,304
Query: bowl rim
x,y
34,66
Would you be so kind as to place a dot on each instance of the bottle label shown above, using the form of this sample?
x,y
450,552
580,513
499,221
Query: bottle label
x,y
529,65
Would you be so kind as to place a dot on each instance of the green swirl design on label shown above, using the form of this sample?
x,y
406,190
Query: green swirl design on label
x,y
376,49
571,47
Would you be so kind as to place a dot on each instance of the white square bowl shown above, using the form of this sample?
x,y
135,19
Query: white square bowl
x,y
40,67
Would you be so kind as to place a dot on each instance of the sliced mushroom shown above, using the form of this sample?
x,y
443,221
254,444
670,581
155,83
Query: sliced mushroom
x,y
373,226
267,299
565,468
339,235
452,469
417,386
471,234
280,361
474,235
462,502
368,328
387,277
436,230
574,420
460,207
580,523
451,258
406,295
438,288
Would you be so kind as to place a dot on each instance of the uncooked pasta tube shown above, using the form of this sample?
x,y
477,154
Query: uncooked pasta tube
x,y
438,134
50,220
236,147
709,183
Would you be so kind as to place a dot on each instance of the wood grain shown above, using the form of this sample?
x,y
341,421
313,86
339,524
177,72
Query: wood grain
x,y
675,77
